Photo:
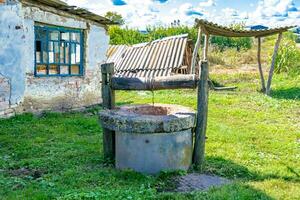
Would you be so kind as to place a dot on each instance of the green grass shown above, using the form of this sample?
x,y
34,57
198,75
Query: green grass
x,y
253,140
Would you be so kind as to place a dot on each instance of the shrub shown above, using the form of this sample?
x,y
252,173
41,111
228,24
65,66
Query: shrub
x,y
129,36
226,42
288,58
161,32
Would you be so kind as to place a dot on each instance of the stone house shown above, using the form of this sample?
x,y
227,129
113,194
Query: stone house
x,y
50,54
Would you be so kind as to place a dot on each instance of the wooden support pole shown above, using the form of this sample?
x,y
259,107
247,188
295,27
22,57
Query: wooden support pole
x,y
205,48
108,98
156,83
196,51
202,109
268,89
263,85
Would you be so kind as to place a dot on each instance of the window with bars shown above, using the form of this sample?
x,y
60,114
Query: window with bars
x,y
58,51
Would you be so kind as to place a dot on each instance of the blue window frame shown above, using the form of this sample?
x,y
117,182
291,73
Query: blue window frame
x,y
58,51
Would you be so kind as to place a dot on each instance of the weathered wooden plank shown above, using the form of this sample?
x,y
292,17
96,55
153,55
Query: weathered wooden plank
x,y
196,51
108,98
268,89
202,110
205,48
107,68
262,79
157,83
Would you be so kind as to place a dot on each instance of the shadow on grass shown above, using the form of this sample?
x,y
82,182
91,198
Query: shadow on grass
x,y
217,166
290,93
226,168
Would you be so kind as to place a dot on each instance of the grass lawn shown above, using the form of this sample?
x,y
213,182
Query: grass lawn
x,y
253,140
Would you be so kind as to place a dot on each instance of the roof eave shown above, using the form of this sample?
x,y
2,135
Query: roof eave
x,y
218,30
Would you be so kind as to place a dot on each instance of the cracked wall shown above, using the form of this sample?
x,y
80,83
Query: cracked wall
x,y
35,94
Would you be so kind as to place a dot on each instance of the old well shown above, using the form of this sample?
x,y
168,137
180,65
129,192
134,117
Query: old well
x,y
151,138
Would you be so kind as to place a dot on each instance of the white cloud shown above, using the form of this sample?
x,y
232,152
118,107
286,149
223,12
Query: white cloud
x,y
136,13
275,13
208,3
272,13
141,13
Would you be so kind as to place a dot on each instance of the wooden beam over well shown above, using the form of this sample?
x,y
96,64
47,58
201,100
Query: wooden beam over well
x,y
156,83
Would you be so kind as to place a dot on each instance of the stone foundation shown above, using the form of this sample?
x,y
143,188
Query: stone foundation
x,y
62,93
58,94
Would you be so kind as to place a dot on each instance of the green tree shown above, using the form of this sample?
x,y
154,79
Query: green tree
x,y
115,17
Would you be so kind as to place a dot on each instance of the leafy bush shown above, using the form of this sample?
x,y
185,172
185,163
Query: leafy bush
x,y
129,36
288,58
226,42
160,32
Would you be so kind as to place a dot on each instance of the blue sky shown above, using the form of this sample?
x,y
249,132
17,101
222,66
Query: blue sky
x,y
141,13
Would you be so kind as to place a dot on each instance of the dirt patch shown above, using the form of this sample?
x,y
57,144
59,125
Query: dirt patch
x,y
199,182
243,69
193,182
22,172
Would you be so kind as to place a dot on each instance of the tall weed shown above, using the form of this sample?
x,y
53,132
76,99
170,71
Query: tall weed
x,y
288,58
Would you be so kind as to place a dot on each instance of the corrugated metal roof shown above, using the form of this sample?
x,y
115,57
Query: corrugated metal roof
x,y
81,12
215,29
158,58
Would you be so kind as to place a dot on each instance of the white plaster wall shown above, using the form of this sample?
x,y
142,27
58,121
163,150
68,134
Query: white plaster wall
x,y
17,61
12,40
97,45
38,15
59,93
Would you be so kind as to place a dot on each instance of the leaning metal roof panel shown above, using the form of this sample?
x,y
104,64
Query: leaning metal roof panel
x,y
215,29
158,58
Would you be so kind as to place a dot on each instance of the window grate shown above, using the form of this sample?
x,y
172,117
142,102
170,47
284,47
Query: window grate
x,y
58,51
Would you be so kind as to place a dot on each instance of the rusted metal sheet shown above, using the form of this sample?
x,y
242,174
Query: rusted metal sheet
x,y
163,57
215,29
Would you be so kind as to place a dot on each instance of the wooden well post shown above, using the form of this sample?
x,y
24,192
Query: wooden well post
x,y
108,98
202,110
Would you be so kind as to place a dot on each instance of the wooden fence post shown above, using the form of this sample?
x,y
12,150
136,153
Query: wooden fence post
x,y
108,102
196,51
268,90
202,108
263,85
